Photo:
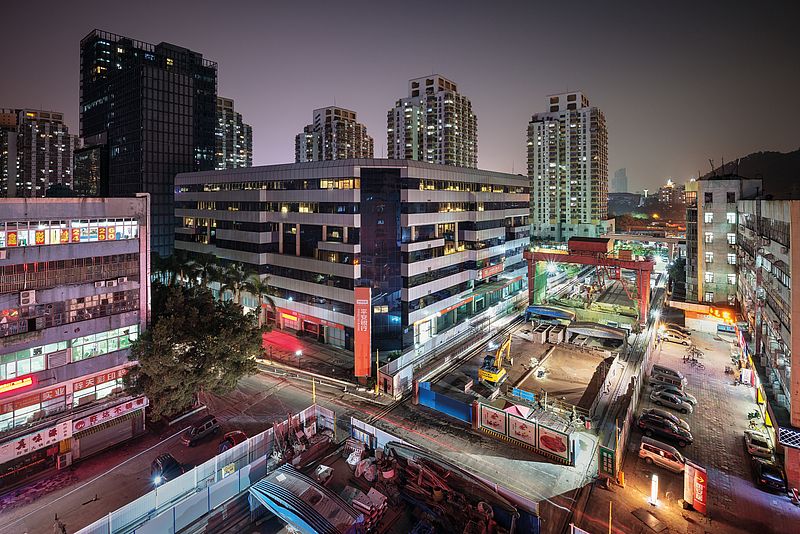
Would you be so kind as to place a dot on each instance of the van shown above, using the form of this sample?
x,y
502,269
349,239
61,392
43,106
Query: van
x,y
668,372
662,455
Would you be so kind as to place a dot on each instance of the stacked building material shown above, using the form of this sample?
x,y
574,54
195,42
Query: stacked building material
x,y
372,505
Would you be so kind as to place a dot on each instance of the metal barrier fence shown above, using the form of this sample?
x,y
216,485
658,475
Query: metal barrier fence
x,y
198,491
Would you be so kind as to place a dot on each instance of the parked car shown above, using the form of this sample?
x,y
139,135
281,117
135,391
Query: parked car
x,y
681,329
673,336
677,391
164,468
663,398
768,475
232,439
758,444
667,429
207,426
662,455
669,416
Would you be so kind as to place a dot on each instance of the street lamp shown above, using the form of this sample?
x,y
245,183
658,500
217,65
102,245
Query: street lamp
x,y
653,500
298,353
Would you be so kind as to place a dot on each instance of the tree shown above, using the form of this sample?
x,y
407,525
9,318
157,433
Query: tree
x,y
260,288
234,277
196,345
204,267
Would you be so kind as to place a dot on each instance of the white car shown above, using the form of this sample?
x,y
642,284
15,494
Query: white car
x,y
758,444
672,326
678,392
662,398
675,337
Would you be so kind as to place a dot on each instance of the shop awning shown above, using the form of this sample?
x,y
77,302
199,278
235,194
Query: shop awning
x,y
107,424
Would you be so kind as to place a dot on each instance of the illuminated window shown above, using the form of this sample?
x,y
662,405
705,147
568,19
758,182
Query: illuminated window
x,y
709,296
709,257
731,259
731,239
709,277
709,217
732,279
709,237
731,217
170,62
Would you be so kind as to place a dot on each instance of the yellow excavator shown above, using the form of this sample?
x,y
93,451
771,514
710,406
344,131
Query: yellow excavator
x,y
492,371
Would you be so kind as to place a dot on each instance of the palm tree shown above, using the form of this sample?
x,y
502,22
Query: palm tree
x,y
260,288
203,267
235,276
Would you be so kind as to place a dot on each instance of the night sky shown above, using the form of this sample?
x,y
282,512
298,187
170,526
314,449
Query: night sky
x,y
697,81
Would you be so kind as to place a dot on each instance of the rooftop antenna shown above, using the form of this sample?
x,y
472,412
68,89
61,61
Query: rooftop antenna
x,y
713,172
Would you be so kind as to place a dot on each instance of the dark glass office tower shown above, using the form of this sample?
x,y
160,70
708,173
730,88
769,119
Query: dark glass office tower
x,y
156,105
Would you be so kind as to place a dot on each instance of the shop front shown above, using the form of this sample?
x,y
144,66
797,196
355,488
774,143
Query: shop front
x,y
108,427
319,329
32,452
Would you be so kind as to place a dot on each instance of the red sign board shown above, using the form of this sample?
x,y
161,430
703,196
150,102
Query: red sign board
x,y
17,385
695,486
491,271
363,330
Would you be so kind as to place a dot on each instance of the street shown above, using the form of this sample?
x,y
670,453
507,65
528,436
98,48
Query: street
x,y
111,479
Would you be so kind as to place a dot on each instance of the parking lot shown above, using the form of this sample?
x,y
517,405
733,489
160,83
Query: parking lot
x,y
718,423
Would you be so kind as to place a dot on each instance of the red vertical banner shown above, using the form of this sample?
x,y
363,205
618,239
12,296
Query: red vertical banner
x,y
363,331
695,486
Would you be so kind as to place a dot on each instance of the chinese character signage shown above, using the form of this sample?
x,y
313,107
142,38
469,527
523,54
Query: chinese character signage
x,y
33,442
363,331
522,430
109,414
607,461
491,271
493,419
695,486
17,385
98,379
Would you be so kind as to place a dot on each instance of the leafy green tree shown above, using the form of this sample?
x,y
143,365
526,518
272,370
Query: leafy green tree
x,y
195,345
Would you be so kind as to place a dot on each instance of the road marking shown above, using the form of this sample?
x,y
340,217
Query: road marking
x,y
98,477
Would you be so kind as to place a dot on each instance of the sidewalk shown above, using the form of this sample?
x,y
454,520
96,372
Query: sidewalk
x,y
735,505
314,356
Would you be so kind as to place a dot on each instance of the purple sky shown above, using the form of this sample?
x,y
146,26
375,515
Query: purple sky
x,y
702,80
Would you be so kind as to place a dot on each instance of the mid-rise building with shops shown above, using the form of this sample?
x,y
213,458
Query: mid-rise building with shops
x,y
439,247
711,223
74,294
768,239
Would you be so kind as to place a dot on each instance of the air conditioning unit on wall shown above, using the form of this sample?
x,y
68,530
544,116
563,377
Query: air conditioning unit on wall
x,y
27,298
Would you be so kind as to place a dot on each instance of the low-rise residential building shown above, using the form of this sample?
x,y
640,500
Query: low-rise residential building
x,y
769,293
439,247
74,294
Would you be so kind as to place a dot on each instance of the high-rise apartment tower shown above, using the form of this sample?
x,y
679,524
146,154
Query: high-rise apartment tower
x,y
568,169
334,134
434,123
234,138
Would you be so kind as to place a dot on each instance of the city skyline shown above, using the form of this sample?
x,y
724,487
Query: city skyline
x,y
686,83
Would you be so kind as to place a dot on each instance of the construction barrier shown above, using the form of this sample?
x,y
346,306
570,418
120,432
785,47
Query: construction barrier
x,y
444,404
530,434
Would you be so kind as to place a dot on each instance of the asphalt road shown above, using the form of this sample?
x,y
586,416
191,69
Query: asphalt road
x,y
105,482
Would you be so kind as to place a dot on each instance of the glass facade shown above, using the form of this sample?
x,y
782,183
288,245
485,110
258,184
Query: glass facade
x,y
157,106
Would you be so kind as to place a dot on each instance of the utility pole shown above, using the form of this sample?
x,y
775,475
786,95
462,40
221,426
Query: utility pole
x,y
377,364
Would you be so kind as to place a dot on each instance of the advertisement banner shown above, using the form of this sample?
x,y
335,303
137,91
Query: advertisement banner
x,y
554,442
695,486
491,270
109,414
363,331
522,430
33,442
493,419
98,379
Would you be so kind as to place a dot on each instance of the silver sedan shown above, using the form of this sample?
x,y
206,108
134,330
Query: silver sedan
x,y
662,398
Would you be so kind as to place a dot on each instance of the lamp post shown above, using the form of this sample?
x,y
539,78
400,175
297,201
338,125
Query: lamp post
x,y
298,353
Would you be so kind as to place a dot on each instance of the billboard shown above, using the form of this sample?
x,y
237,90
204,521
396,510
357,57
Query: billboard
x,y
554,442
493,419
363,331
695,486
522,430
